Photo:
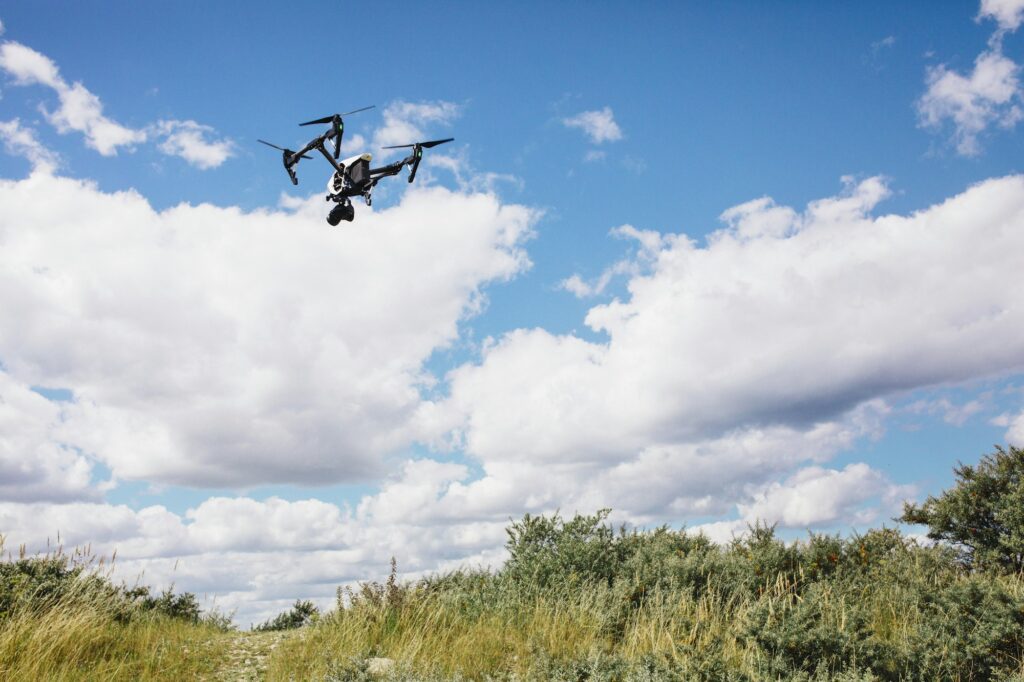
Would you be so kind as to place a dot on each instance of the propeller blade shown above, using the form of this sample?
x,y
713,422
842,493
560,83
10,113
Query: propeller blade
x,y
329,119
356,111
434,143
425,145
325,119
270,145
289,151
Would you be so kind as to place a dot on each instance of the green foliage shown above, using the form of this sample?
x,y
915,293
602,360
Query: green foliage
x,y
302,613
579,600
41,583
543,550
45,581
183,606
983,514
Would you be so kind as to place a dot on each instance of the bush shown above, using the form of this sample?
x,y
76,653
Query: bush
x,y
547,550
302,613
40,583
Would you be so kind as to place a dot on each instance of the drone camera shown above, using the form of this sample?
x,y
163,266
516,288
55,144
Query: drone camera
x,y
341,212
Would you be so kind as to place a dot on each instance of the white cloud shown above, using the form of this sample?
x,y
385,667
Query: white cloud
x,y
79,110
34,465
952,413
815,497
211,346
21,141
887,41
404,123
649,242
257,555
1015,432
1007,13
990,95
773,322
28,66
188,140
599,126
261,555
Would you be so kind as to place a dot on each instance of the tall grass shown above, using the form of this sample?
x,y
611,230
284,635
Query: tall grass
x,y
61,618
577,601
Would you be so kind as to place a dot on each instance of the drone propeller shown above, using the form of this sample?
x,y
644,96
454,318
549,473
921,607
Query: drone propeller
x,y
424,145
417,152
282,149
287,156
337,125
329,119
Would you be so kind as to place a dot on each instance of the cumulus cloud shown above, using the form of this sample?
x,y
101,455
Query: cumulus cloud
x,y
260,555
190,141
649,243
1015,432
1007,13
598,125
990,95
211,346
81,111
815,496
34,465
404,123
782,318
20,140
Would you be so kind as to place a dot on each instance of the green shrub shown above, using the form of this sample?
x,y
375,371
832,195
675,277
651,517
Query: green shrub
x,y
302,613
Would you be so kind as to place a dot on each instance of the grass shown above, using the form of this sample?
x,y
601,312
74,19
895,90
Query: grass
x,y
576,601
579,602
61,618
82,641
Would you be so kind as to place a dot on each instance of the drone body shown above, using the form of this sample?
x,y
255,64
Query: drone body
x,y
353,176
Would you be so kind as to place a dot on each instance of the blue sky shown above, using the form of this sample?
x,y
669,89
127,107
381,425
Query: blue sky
x,y
199,356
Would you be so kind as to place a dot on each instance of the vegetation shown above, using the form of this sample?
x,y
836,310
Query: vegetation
x,y
983,515
301,614
580,600
62,618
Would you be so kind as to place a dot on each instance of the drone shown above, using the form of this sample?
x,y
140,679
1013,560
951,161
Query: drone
x,y
353,176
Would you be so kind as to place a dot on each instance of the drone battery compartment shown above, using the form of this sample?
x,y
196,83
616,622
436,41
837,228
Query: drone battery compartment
x,y
358,172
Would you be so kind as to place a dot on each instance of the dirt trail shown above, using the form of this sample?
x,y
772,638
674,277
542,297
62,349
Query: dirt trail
x,y
248,655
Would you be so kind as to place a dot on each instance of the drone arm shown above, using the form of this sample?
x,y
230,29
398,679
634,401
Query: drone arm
x,y
390,169
330,159
315,143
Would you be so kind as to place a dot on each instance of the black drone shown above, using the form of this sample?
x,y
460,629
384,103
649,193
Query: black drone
x,y
353,176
